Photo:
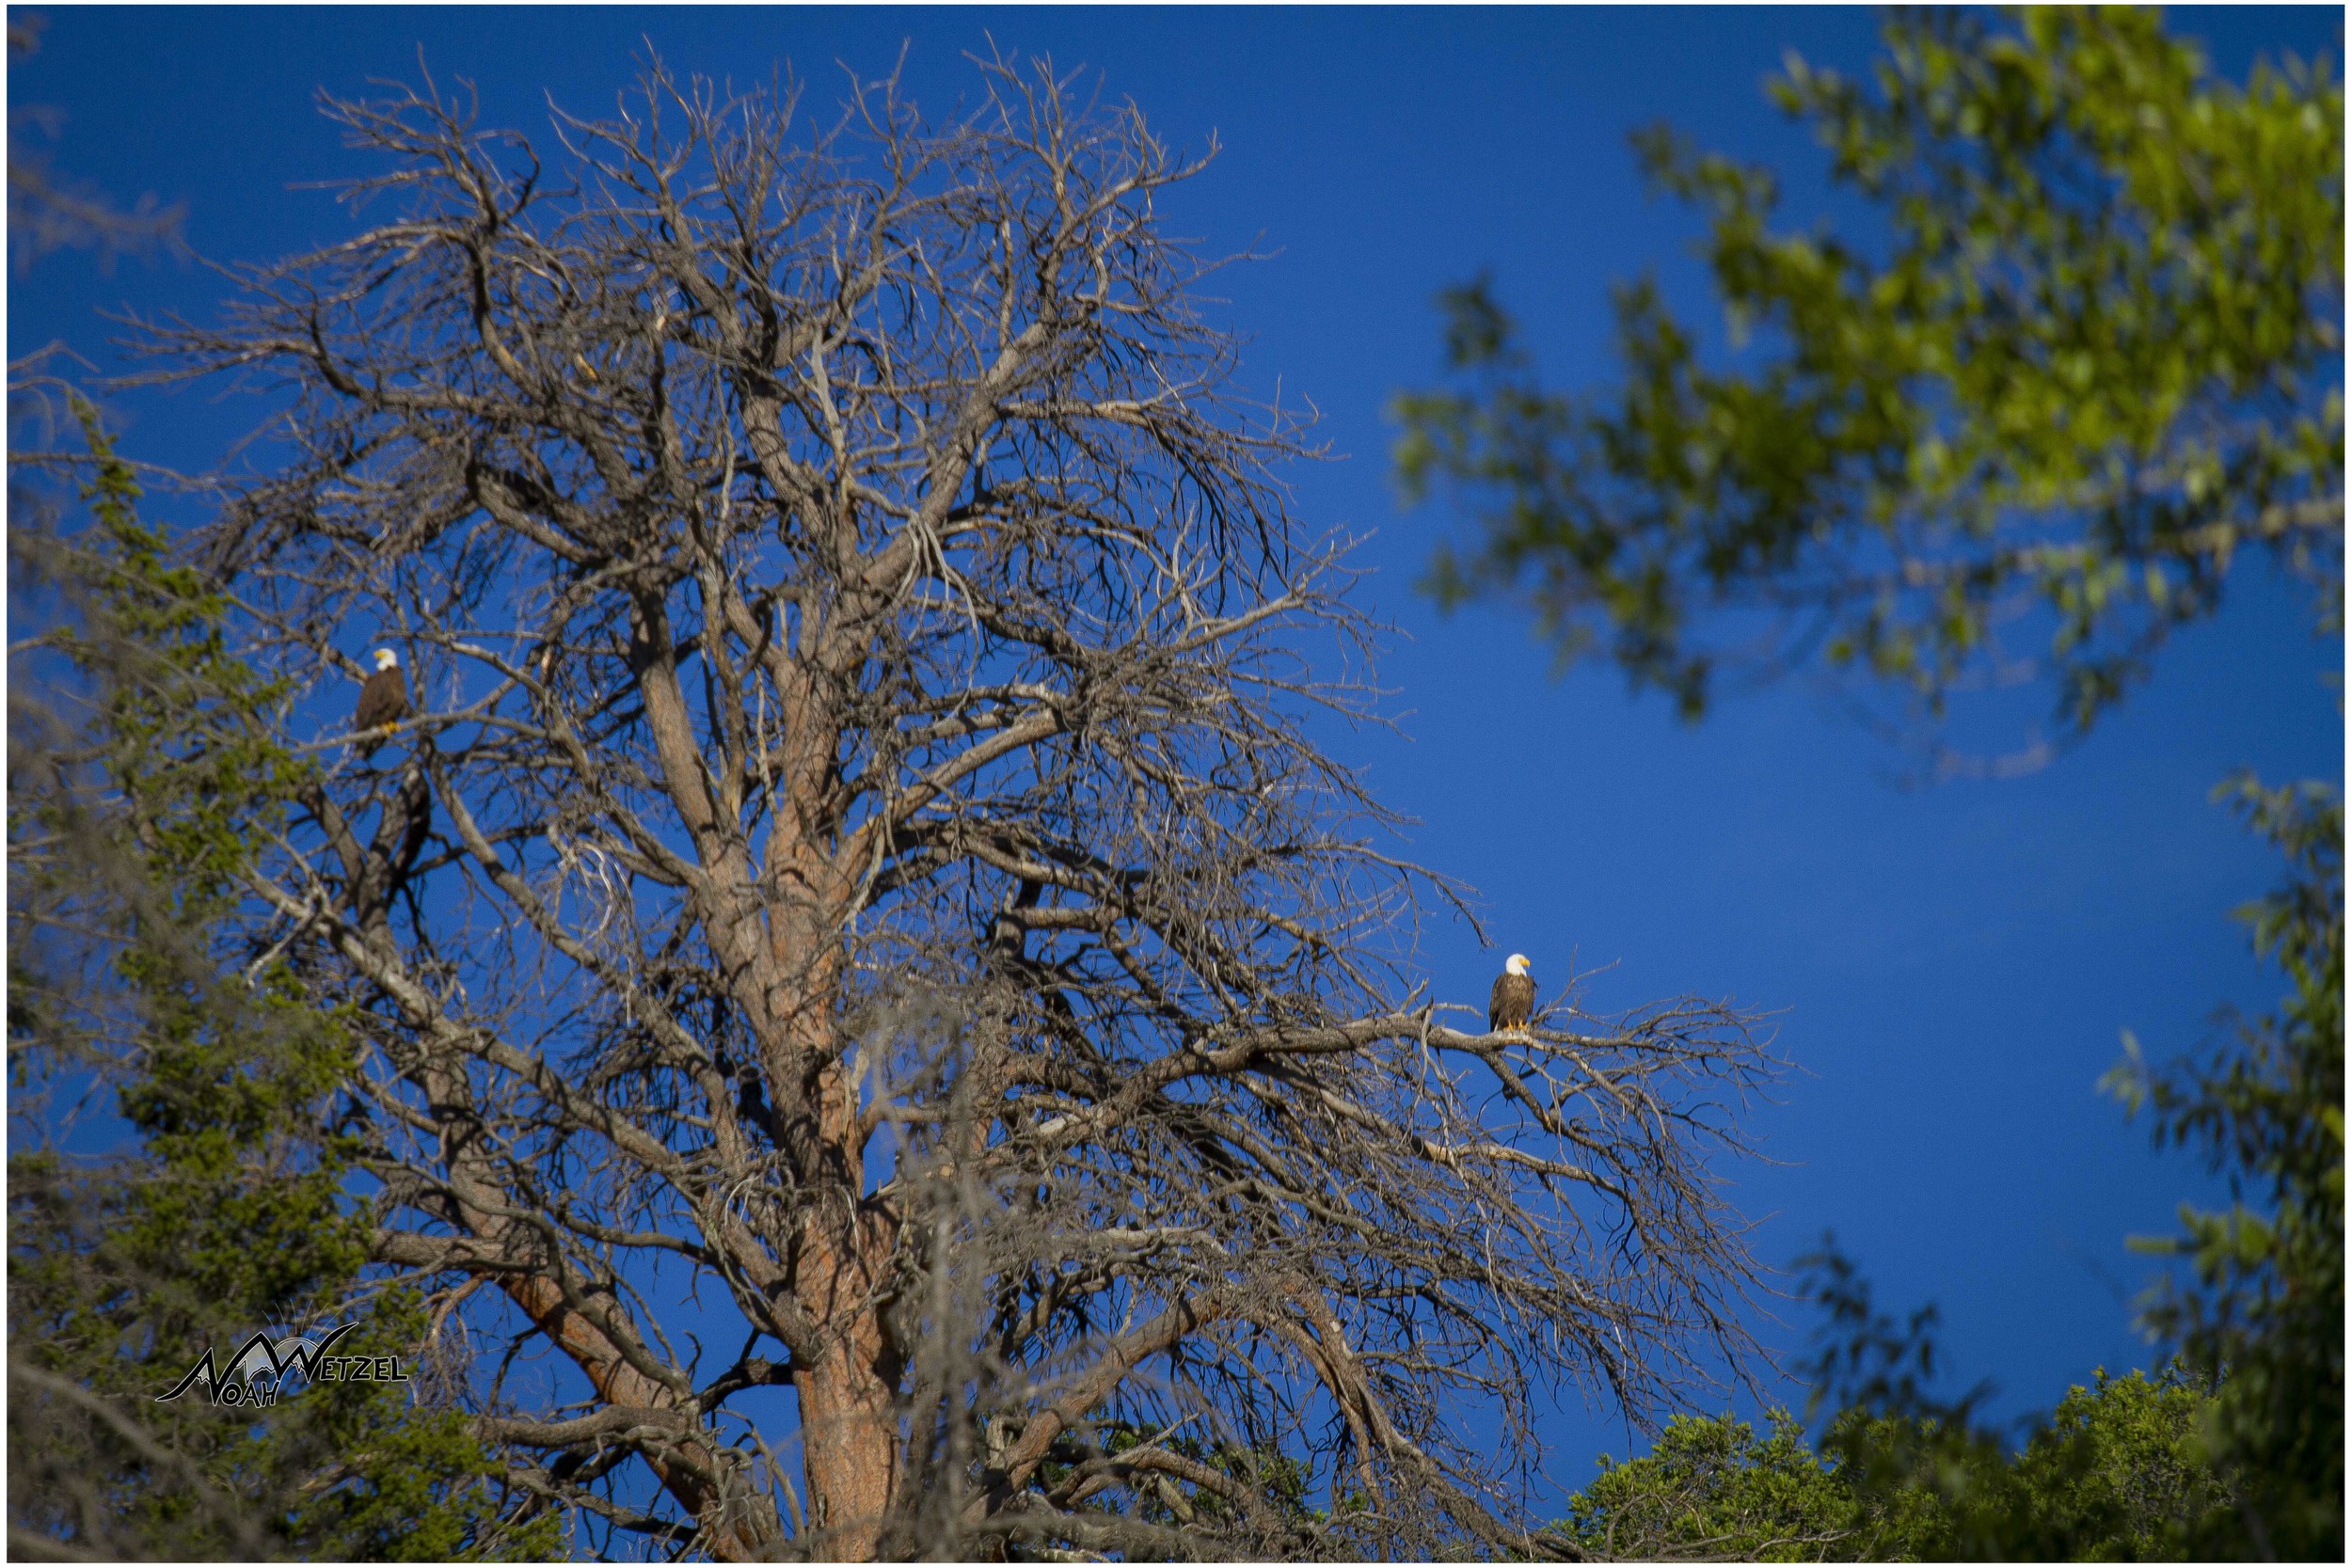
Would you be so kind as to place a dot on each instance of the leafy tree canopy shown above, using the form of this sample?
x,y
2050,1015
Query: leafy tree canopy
x,y
2094,356
2119,1473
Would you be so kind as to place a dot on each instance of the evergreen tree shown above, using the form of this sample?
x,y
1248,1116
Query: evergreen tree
x,y
145,777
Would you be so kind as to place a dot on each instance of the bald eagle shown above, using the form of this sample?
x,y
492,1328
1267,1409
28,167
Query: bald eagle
x,y
383,701
1513,998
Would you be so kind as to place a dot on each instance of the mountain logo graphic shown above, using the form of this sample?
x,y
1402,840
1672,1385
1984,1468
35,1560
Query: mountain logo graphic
x,y
259,1359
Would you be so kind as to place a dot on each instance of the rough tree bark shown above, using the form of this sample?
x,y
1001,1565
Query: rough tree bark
x,y
860,846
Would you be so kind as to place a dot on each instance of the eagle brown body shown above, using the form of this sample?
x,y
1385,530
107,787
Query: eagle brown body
x,y
1509,1005
383,701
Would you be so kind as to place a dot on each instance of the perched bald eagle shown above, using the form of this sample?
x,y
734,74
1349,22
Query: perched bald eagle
x,y
1513,998
383,701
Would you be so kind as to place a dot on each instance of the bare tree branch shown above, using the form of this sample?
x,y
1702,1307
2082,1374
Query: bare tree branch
x,y
860,848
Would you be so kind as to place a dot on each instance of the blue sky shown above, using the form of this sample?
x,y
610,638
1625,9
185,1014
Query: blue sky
x,y
1951,965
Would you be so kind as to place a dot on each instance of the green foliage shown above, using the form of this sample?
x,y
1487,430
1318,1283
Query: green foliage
x,y
2268,1109
2120,1472
129,827
2117,1473
1712,1488
2098,359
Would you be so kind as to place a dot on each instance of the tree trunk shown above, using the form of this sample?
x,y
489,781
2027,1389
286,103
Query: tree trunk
x,y
849,1395
850,1443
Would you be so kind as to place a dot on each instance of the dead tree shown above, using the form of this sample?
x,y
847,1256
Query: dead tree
x,y
879,894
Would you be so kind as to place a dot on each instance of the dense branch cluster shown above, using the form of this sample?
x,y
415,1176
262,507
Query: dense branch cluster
x,y
859,887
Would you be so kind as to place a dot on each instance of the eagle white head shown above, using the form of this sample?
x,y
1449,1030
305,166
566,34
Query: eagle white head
x,y
386,659
1515,964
